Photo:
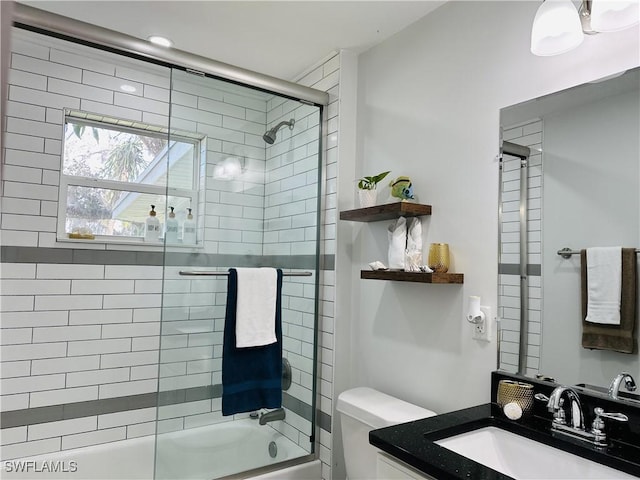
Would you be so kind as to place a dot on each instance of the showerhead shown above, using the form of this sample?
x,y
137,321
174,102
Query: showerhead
x,y
270,136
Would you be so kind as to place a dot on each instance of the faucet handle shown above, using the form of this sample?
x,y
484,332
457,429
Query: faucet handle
x,y
541,397
598,422
620,417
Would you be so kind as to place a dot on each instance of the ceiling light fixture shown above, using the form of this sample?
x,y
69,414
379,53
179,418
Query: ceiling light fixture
x,y
162,41
614,15
558,27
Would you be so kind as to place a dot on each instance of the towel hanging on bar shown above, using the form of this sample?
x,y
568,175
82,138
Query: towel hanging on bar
x,y
618,338
251,377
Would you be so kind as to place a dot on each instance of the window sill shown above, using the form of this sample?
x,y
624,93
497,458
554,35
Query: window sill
x,y
124,241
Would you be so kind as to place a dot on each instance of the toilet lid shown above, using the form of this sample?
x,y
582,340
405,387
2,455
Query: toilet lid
x,y
378,409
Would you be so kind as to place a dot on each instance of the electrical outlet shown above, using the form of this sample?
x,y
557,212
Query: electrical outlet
x,y
482,330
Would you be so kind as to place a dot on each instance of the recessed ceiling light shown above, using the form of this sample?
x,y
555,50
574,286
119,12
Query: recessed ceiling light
x,y
128,88
162,41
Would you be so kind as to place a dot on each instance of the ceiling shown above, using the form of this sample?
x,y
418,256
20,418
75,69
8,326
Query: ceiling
x,y
278,38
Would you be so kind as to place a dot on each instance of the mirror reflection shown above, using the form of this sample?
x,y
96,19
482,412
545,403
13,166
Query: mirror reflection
x,y
575,187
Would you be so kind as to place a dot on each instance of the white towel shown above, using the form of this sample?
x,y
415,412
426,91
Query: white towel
x,y
414,234
413,255
397,233
256,307
604,283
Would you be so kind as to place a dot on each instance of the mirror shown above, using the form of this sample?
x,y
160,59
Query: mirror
x,y
579,188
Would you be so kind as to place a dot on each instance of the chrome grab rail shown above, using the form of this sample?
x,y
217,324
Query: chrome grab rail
x,y
567,252
205,273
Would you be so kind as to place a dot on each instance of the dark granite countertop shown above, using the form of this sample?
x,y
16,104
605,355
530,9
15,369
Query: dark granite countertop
x,y
413,443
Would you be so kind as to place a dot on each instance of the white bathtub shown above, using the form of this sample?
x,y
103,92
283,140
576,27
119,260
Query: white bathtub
x,y
203,453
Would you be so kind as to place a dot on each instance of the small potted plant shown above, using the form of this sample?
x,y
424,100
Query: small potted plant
x,y
367,189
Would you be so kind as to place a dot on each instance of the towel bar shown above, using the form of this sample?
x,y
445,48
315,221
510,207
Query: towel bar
x,y
216,274
567,252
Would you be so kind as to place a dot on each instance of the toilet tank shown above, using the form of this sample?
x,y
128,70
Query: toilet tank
x,y
364,409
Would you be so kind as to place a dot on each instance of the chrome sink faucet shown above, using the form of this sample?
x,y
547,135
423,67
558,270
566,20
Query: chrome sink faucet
x,y
575,431
629,384
556,406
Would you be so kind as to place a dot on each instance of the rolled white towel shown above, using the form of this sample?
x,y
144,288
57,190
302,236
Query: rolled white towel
x,y
397,233
414,235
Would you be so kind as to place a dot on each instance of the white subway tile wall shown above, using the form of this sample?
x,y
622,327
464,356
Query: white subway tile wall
x,y
291,176
325,76
90,331
191,342
528,134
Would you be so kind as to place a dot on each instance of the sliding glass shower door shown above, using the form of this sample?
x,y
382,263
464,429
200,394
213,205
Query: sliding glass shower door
x,y
242,169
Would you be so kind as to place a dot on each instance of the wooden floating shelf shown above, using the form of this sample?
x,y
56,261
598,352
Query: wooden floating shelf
x,y
387,211
400,276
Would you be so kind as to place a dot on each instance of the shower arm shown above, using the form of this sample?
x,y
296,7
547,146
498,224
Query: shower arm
x,y
290,124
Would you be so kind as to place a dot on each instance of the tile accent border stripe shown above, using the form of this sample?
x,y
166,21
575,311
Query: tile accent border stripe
x,y
15,254
533,269
54,413
324,420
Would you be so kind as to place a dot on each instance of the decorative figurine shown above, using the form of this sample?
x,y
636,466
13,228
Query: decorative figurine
x,y
402,188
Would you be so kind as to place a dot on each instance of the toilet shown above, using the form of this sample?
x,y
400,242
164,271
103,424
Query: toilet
x,y
364,409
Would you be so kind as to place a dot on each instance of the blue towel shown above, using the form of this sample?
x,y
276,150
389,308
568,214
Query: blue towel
x,y
251,377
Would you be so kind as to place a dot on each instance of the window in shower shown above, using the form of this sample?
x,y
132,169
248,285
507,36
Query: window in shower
x,y
113,170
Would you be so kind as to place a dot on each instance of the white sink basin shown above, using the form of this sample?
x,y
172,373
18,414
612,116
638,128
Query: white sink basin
x,y
522,458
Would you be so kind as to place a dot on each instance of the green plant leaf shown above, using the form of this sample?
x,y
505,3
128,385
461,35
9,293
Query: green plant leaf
x,y
380,176
369,183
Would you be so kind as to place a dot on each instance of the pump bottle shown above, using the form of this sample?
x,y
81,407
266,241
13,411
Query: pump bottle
x,y
152,227
171,228
189,230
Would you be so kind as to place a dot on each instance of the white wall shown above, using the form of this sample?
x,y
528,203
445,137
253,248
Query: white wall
x,y
428,107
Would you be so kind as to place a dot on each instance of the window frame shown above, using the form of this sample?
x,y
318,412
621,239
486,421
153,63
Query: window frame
x,y
139,128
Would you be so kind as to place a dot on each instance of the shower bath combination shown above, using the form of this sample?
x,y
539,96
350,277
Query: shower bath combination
x,y
270,136
248,203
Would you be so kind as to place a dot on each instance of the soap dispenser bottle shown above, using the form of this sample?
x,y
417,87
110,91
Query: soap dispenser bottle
x,y
189,230
152,227
171,228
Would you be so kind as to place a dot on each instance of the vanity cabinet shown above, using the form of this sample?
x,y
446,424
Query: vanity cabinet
x,y
392,211
391,469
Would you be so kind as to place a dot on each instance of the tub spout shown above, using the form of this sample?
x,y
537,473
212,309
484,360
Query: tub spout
x,y
272,416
